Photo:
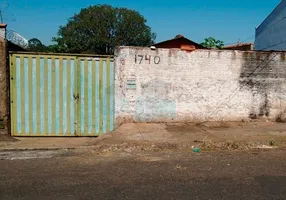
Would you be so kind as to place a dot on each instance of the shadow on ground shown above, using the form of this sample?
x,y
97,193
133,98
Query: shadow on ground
x,y
7,138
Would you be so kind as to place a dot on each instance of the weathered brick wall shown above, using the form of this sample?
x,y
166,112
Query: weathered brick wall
x,y
165,85
3,84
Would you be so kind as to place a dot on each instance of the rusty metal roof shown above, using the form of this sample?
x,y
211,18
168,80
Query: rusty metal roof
x,y
180,37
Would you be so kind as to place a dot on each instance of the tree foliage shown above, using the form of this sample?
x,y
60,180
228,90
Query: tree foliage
x,y
212,43
99,29
35,45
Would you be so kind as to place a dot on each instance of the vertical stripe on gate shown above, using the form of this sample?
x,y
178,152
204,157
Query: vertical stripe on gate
x,y
68,93
78,95
85,82
45,102
22,85
30,93
64,100
111,95
42,93
104,98
97,96
51,96
57,97
72,93
34,95
18,94
89,97
26,92
107,91
62,92
100,94
82,100
93,96
13,102
49,61
60,102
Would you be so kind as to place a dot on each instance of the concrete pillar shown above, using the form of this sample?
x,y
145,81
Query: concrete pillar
x,y
3,78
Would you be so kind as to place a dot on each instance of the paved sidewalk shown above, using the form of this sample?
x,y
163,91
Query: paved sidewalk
x,y
156,137
42,143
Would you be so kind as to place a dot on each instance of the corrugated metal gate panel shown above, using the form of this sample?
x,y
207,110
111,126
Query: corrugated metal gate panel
x,y
61,95
96,101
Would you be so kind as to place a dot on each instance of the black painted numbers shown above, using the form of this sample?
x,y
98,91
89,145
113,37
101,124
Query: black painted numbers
x,y
147,59
138,59
157,60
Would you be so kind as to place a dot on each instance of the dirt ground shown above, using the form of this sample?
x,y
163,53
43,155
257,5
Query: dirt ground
x,y
158,137
183,137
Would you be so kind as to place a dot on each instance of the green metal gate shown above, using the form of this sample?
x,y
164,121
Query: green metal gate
x,y
61,95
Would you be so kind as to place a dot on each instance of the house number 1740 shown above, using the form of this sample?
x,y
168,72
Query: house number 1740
x,y
139,59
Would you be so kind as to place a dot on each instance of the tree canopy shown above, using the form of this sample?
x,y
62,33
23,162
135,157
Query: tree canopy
x,y
212,43
99,29
36,45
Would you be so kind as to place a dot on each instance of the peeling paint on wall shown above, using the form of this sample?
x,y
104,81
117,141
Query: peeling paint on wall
x,y
154,104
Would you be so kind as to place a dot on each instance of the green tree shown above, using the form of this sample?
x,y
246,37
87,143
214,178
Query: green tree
x,y
35,45
212,43
54,48
99,29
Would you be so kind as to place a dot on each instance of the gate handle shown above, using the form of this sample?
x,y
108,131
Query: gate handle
x,y
76,96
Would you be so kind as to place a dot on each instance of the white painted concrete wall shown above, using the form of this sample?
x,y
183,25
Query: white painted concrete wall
x,y
170,85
